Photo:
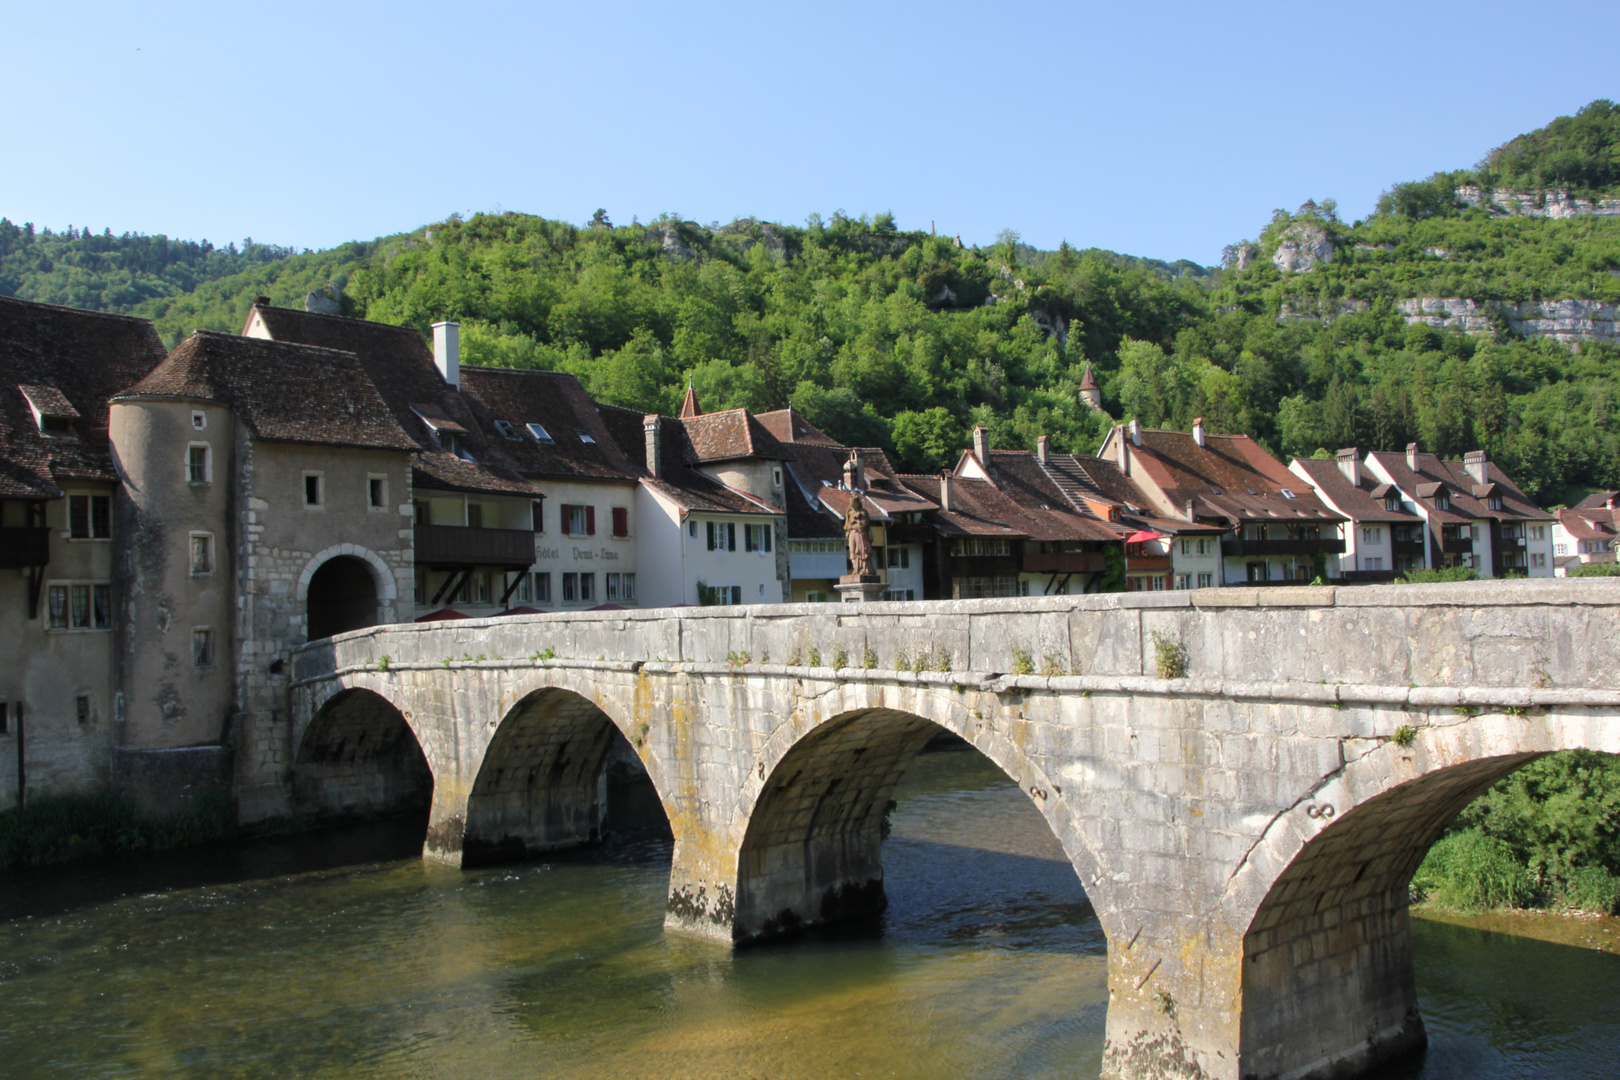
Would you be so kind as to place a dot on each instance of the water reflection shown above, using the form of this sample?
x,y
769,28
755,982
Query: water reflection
x,y
988,963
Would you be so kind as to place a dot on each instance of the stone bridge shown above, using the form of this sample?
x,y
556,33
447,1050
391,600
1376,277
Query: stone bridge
x,y
1245,780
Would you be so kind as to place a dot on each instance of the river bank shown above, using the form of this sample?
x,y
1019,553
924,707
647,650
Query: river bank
x,y
1582,930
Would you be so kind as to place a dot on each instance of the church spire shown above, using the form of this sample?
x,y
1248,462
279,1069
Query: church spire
x,y
689,407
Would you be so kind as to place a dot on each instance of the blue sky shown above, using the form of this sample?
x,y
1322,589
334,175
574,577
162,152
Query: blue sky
x,y
1165,130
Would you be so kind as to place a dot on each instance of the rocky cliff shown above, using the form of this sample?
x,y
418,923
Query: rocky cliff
x,y
1552,203
1569,321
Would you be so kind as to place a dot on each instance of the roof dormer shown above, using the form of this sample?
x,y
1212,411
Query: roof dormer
x,y
53,412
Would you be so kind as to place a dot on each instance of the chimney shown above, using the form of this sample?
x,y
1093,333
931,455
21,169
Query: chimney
x,y
860,469
947,484
1613,501
981,443
1135,432
1411,456
1198,430
1042,446
1476,465
655,448
1190,515
447,352
1350,464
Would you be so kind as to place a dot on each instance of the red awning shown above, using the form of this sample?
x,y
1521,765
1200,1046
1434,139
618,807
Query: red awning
x,y
608,607
441,614
1143,536
521,611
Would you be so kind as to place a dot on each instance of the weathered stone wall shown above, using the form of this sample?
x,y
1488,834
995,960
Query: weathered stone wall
x,y
1242,810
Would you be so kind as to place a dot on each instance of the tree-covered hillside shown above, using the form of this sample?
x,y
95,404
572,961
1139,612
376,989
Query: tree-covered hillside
x,y
104,272
905,339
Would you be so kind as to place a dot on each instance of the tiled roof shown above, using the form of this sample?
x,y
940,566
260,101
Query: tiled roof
x,y
979,508
279,391
727,436
685,486
1019,475
1432,473
689,406
789,427
1361,501
64,355
578,445
1230,476
400,365
1597,499
1590,522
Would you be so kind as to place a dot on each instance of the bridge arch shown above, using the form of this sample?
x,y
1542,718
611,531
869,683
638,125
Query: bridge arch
x,y
331,591
542,782
814,806
359,756
1322,902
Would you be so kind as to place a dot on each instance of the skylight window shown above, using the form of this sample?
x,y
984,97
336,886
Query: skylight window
x,y
585,438
1288,493
539,432
506,429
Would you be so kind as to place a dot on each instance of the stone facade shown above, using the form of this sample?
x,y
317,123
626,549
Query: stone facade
x,y
1245,831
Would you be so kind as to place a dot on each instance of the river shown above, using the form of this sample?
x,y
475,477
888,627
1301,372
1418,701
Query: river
x,y
337,954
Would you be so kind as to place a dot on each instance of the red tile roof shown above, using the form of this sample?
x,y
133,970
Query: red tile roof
x,y
65,355
1361,501
578,444
680,483
727,436
789,427
1432,473
1590,522
1230,477
279,391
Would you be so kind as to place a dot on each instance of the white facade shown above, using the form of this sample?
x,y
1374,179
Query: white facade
x,y
1195,562
682,550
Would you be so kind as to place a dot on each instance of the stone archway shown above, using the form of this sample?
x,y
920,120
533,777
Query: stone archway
x,y
333,596
359,757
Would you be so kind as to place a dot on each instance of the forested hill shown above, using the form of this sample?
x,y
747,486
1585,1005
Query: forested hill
x,y
905,339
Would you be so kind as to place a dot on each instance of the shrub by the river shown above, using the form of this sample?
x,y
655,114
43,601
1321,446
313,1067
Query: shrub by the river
x,y
1597,569
1469,871
1440,574
60,828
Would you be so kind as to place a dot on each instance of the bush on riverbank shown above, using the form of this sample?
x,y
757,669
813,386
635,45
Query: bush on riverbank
x,y
1596,569
1546,836
61,828
1437,575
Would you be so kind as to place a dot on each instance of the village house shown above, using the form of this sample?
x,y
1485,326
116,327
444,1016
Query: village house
x,y
1384,538
1474,515
1277,529
1586,532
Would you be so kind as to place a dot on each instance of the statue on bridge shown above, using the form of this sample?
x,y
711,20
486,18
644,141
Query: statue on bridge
x,y
858,533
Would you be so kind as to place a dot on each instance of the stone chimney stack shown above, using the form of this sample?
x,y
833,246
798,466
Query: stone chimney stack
x,y
1191,516
655,448
1042,447
1135,431
947,489
981,443
1476,465
1350,464
855,472
1411,456
1198,430
447,352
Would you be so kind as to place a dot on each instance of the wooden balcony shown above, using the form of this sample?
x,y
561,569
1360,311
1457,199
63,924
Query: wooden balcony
x,y
23,547
454,545
1239,548
1068,562
1147,564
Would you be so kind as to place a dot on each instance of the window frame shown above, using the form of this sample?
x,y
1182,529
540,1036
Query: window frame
x,y
620,518
377,491
207,463
208,548
320,489
90,502
199,420
204,647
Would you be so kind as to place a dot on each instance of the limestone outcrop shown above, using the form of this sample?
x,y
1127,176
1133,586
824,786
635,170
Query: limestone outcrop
x,y
1304,244
1552,203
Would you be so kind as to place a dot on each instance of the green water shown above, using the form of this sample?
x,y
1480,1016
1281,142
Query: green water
x,y
988,963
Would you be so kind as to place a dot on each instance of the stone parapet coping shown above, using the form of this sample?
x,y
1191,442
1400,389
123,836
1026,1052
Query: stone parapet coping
x,y
1329,694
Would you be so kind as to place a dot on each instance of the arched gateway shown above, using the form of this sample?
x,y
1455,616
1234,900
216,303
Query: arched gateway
x,y
1245,833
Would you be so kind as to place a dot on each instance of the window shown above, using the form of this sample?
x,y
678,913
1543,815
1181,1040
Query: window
x,y
508,431
1494,502
1206,581
475,515
1538,559
894,594
776,478
419,593
817,547
101,607
199,464
314,489
621,521
1442,501
585,437
81,709
982,546
1201,545
423,511
899,558
587,588
816,598
1538,532
1560,549
613,586
1288,494
90,517
1259,571
537,516
627,587
1392,502
1183,581
1374,563
377,492
976,588
757,537
523,593
202,647
722,536
479,584
5,718
202,554
1372,534
57,598
691,529
570,588
578,520
540,433
723,595
199,420
542,587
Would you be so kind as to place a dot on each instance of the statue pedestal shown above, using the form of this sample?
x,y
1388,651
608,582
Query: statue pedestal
x,y
854,588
